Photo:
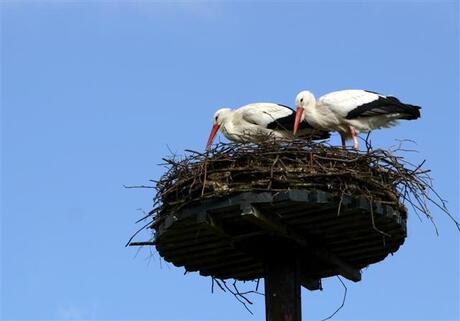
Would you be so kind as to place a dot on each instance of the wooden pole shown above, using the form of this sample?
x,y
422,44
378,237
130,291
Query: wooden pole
x,y
282,289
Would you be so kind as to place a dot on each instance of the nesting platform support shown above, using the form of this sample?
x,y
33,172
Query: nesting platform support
x,y
293,238
282,288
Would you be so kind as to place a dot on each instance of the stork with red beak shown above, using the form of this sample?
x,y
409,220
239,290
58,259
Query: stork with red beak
x,y
350,112
251,122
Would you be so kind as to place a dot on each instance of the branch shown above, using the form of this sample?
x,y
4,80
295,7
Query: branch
x,y
343,300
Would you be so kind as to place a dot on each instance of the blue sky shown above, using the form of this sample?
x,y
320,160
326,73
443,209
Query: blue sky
x,y
94,94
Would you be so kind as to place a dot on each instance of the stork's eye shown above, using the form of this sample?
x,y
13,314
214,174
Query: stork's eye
x,y
301,100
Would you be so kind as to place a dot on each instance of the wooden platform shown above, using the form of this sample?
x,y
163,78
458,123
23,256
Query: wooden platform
x,y
232,237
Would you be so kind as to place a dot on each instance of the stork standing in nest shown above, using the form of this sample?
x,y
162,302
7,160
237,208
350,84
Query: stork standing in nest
x,y
252,122
350,112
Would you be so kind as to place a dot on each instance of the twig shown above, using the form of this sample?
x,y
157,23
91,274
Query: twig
x,y
373,222
205,175
138,186
339,207
137,232
141,243
343,300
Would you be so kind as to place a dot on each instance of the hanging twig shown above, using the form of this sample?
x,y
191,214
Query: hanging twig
x,y
138,186
371,205
343,300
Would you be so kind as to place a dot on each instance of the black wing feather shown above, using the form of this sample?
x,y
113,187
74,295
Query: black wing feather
x,y
383,106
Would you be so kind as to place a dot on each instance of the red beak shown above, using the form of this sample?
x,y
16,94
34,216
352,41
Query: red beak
x,y
298,117
214,130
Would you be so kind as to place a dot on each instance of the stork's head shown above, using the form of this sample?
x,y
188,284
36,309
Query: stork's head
x,y
219,117
304,100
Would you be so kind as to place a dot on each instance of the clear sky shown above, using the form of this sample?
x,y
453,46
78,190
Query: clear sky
x,y
93,94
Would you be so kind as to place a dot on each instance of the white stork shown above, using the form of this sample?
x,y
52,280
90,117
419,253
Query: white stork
x,y
248,123
351,111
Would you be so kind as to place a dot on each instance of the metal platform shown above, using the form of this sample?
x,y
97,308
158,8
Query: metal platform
x,y
233,237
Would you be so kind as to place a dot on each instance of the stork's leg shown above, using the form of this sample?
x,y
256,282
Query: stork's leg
x,y
344,144
355,138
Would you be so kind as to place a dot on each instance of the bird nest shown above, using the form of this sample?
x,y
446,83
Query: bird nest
x,y
278,166
281,168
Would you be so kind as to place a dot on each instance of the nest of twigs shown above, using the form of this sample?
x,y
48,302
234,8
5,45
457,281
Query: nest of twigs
x,y
275,166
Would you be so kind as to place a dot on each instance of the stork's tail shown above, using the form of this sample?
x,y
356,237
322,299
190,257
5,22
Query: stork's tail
x,y
410,112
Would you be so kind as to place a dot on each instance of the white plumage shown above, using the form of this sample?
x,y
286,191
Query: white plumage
x,y
351,111
253,121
